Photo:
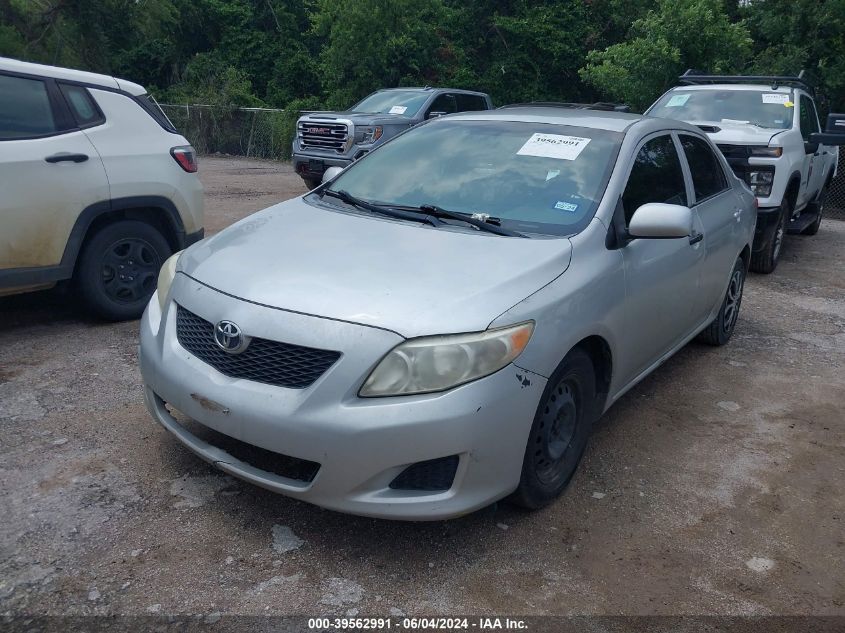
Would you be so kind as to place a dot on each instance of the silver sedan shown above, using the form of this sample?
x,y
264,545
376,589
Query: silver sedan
x,y
439,326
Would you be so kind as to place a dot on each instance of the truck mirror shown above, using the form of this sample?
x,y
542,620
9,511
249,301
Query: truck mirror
x,y
331,172
435,114
835,124
834,133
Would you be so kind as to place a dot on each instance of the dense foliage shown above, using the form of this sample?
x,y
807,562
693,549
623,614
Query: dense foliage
x,y
304,53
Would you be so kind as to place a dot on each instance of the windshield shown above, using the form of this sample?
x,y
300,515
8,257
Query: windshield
x,y
534,177
404,102
763,108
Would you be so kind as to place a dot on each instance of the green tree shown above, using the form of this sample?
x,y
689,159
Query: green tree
x,y
679,34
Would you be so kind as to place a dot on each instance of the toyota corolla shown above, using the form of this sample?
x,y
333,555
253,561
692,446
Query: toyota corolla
x,y
439,325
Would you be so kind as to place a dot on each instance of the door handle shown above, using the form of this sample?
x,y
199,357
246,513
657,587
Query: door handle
x,y
67,157
738,214
695,238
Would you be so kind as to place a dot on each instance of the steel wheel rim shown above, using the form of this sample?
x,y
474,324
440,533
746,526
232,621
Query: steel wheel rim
x,y
558,427
779,237
129,270
732,300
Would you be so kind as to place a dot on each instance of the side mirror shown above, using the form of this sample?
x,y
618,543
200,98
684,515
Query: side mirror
x,y
435,114
834,132
331,172
661,221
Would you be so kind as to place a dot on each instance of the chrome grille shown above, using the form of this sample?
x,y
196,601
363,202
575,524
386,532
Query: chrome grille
x,y
270,362
322,135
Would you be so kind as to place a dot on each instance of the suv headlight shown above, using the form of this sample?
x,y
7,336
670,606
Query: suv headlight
x,y
368,133
437,363
761,182
165,278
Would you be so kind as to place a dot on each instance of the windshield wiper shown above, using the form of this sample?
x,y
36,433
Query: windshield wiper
x,y
414,216
489,224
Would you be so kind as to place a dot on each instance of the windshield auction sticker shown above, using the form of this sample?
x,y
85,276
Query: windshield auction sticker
x,y
398,109
775,97
554,146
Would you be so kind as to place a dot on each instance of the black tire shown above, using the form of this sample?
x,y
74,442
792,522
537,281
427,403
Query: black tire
x,y
559,433
311,183
720,330
818,209
766,260
118,269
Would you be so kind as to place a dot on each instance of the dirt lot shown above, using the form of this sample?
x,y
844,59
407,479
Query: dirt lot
x,y
715,487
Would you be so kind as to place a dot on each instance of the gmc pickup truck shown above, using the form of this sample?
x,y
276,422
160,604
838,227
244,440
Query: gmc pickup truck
x,y
335,139
768,130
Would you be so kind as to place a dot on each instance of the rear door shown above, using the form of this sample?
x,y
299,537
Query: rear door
x,y
662,276
720,214
49,173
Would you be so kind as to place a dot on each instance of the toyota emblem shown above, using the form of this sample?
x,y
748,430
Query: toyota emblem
x,y
229,337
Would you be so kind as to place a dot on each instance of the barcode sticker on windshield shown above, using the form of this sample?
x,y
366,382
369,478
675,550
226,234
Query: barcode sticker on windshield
x,y
775,97
554,146
398,109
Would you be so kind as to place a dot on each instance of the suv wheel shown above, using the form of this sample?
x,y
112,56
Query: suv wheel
x,y
118,269
559,433
720,330
311,183
818,209
767,260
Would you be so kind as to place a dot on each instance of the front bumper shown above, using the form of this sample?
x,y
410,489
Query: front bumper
x,y
314,165
360,444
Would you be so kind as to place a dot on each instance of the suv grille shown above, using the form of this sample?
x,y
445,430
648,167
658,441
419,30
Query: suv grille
x,y
318,135
270,362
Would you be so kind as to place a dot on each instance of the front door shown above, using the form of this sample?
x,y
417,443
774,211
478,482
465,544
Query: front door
x,y
662,276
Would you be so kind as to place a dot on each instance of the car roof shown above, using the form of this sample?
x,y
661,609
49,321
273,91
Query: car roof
x,y
8,64
599,119
432,89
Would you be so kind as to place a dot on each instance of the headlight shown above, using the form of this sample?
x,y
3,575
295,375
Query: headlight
x,y
772,152
165,278
368,133
761,182
436,363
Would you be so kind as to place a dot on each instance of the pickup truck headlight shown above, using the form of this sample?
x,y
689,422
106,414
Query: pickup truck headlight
x,y
761,182
368,133
772,152
437,363
165,278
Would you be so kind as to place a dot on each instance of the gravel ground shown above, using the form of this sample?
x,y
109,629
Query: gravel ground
x,y
714,487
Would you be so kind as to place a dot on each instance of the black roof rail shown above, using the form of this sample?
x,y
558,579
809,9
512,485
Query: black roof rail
x,y
696,77
599,105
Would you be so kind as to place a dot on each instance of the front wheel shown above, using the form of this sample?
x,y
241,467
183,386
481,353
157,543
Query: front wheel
x,y
559,433
311,183
720,330
767,260
118,269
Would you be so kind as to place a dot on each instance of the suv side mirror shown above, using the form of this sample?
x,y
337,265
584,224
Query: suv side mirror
x,y
435,114
661,221
834,133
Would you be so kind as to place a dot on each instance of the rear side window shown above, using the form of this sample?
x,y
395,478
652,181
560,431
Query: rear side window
x,y
708,177
655,177
82,105
470,102
25,110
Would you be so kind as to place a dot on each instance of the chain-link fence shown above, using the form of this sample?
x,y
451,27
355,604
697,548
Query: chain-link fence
x,y
252,132
835,207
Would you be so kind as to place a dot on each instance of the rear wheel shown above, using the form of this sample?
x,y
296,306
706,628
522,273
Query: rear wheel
x,y
559,433
766,260
720,330
118,269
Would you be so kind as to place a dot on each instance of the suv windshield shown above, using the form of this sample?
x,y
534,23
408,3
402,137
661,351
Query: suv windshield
x,y
404,102
763,108
534,177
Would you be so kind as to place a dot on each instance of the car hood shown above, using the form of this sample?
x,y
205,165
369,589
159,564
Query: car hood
x,y
410,278
736,132
358,118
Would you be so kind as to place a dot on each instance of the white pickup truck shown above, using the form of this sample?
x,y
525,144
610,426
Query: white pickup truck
x,y
768,129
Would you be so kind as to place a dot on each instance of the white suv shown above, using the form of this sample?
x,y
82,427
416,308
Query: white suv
x,y
97,186
768,129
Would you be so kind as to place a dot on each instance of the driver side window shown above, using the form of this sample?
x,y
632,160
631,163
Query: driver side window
x,y
655,177
444,103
